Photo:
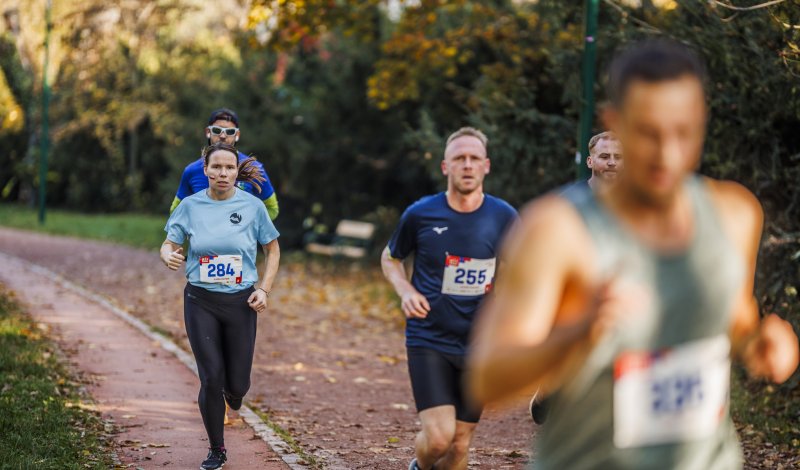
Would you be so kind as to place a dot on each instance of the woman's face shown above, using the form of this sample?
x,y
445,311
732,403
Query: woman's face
x,y
221,170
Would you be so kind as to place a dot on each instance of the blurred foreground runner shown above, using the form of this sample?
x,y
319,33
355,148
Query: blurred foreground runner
x,y
631,304
223,225
223,126
455,237
606,162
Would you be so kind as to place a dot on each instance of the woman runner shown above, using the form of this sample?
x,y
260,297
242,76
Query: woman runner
x,y
224,293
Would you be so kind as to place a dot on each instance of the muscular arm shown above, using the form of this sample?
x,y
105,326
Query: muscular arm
x,y
524,338
413,303
768,348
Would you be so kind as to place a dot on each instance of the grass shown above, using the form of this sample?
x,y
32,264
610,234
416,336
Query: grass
x,y
42,421
308,459
139,230
765,412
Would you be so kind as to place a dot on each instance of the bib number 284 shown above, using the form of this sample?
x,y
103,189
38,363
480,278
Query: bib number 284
x,y
221,269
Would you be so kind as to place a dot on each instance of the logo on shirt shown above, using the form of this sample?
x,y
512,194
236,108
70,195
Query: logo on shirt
x,y
439,230
236,218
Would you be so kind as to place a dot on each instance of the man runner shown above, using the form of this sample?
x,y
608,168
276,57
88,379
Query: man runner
x,y
631,304
223,126
605,161
455,236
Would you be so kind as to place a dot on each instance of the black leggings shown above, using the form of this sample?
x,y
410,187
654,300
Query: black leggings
x,y
222,331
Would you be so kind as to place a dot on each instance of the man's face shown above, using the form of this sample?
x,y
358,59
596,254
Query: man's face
x,y
221,170
605,159
465,164
222,137
661,127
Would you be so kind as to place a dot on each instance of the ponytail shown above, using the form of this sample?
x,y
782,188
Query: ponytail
x,y
248,170
250,173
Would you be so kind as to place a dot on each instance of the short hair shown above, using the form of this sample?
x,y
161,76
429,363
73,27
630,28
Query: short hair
x,y
607,135
223,114
469,131
652,60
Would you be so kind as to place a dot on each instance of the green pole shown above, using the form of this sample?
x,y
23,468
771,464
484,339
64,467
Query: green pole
x,y
45,117
587,81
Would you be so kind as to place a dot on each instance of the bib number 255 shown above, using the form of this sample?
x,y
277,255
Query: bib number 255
x,y
467,276
470,276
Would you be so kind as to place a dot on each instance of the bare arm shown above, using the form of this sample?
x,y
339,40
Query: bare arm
x,y
414,304
768,347
171,254
272,252
527,336
258,299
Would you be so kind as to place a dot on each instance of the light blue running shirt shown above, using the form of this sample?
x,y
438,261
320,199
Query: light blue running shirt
x,y
235,226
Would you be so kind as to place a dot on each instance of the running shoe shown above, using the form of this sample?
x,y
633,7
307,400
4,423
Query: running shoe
x,y
234,403
216,459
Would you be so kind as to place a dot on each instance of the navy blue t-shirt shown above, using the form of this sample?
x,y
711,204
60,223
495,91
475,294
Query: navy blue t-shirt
x,y
441,239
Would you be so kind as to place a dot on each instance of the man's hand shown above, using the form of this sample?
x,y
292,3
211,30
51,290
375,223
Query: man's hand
x,y
773,352
258,301
613,301
174,259
415,305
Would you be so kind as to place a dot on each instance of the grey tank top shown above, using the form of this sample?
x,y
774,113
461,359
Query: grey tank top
x,y
692,296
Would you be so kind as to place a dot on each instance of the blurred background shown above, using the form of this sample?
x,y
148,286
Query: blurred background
x,y
347,105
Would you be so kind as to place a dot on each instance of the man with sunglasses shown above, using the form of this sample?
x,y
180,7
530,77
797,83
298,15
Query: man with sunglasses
x,y
223,126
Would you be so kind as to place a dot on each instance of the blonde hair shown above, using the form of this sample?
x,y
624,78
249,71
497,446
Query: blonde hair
x,y
469,131
607,135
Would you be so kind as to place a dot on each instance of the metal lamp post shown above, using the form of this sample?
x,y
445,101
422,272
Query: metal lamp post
x,y
45,117
587,82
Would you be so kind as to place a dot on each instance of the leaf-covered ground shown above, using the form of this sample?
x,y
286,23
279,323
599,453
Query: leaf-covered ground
x,y
330,361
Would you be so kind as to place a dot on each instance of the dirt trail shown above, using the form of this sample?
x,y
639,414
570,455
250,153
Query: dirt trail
x,y
326,369
144,390
330,366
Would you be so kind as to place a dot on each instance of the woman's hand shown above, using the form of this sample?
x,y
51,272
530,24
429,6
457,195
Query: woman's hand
x,y
172,258
258,300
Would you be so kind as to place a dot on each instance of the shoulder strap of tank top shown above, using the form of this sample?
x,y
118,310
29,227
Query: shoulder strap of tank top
x,y
707,220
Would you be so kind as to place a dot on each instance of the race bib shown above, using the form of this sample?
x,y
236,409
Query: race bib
x,y
221,269
467,276
674,395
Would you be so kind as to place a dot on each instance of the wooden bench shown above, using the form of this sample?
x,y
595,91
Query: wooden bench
x,y
352,239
